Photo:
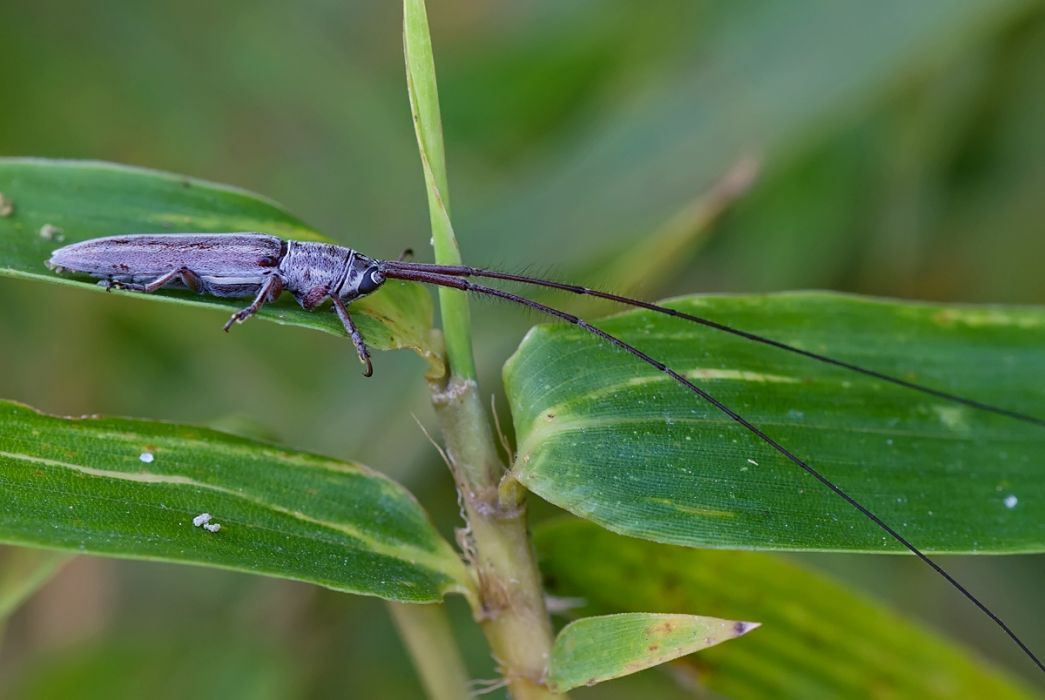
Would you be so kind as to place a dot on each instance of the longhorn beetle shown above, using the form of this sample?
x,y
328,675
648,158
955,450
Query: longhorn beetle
x,y
263,267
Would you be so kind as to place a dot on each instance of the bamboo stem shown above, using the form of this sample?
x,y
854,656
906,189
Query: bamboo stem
x,y
426,632
496,542
511,608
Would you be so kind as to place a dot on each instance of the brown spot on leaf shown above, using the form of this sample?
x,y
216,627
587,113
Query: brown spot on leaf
x,y
661,628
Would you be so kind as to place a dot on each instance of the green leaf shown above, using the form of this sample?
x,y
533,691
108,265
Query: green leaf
x,y
596,649
51,203
616,442
424,108
817,639
131,488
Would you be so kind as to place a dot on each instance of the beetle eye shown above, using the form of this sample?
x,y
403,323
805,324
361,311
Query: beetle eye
x,y
372,279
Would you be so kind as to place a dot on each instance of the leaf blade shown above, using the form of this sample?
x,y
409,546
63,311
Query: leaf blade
x,y
57,202
817,638
596,649
423,94
132,488
950,479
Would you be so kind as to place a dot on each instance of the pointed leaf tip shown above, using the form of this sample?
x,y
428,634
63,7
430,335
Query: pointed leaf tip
x,y
597,649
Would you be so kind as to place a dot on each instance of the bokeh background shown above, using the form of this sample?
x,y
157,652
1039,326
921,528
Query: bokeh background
x,y
899,149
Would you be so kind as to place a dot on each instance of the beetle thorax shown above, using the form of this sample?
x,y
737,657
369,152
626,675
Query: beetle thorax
x,y
311,271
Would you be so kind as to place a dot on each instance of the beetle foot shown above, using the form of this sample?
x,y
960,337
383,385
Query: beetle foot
x,y
238,317
113,284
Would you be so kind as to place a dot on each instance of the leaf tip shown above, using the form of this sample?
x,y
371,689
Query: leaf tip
x,y
740,628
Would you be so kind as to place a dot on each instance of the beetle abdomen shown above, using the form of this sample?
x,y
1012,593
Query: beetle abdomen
x,y
142,255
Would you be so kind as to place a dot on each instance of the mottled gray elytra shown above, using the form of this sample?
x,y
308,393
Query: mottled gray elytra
x,y
262,266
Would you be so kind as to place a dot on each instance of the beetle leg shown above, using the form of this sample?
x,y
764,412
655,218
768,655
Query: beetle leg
x,y
270,291
189,278
353,333
314,297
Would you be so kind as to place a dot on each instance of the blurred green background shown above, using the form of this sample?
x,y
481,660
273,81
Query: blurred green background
x,y
900,149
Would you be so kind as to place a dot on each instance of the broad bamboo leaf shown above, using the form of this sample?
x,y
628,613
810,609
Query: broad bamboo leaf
x,y
614,441
596,649
817,639
51,203
132,488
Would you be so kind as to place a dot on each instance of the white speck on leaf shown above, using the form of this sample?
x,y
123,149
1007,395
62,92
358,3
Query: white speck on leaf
x,y
751,461
201,519
146,457
52,233
953,417
211,527
1011,501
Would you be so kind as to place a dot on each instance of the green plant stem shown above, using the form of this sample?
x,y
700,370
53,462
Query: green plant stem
x,y
23,571
511,600
426,632
511,606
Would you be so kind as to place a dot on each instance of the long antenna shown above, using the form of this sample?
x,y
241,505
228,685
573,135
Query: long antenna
x,y
465,271
398,271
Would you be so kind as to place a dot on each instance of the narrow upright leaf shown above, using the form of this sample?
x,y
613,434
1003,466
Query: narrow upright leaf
x,y
596,649
424,108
